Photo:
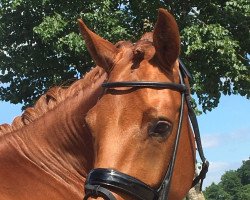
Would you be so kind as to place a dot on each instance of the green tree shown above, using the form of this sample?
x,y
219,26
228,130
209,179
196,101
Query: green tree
x,y
244,172
230,182
216,192
243,193
234,185
40,45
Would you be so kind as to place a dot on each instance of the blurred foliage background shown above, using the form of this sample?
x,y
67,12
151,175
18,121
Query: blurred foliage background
x,y
40,45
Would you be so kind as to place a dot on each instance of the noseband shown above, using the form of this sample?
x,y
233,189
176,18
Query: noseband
x,y
101,180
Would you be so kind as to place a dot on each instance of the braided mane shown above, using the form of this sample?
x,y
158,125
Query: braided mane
x,y
50,100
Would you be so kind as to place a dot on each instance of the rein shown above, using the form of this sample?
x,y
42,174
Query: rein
x,y
100,181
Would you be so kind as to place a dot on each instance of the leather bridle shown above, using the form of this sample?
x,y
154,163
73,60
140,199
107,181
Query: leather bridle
x,y
101,180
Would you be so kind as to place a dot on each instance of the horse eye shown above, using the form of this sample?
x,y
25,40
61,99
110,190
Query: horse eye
x,y
160,129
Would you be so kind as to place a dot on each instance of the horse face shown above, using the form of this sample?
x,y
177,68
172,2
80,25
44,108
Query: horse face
x,y
133,129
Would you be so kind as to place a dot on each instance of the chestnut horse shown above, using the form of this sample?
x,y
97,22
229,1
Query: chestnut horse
x,y
128,130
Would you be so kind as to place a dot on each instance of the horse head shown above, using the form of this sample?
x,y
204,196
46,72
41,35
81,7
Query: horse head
x,y
135,126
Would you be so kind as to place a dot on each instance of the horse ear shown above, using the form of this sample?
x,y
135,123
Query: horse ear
x,y
166,39
102,51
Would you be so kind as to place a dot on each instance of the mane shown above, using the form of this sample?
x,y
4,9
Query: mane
x,y
50,100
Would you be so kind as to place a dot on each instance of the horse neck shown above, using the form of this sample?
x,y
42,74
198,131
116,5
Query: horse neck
x,y
59,142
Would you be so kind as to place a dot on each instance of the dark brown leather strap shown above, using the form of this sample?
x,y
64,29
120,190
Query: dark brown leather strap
x,y
97,191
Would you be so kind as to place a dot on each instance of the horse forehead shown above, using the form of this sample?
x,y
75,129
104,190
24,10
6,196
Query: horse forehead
x,y
132,52
163,101
131,68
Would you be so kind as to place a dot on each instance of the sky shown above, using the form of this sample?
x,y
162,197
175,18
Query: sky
x,y
225,133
